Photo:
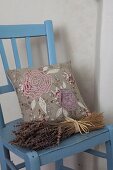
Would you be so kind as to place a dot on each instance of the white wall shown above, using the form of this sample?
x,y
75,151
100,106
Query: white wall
x,y
106,62
75,24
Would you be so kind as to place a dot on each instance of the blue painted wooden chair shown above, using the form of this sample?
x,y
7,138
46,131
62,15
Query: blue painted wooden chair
x,y
75,144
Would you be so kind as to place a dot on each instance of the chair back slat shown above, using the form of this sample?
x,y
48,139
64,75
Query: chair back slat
x,y
3,56
15,52
29,51
21,31
50,43
8,87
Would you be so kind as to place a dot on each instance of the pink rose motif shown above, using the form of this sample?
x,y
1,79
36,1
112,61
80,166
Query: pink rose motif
x,y
67,99
36,83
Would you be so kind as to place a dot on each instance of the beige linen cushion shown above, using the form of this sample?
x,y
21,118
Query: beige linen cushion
x,y
49,92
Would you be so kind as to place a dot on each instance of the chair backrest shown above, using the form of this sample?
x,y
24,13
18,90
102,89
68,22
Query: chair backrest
x,y
14,32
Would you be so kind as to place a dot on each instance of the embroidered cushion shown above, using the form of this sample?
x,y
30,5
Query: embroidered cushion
x,y
49,92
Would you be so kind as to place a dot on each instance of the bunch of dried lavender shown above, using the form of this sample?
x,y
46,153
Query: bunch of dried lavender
x,y
36,135
39,135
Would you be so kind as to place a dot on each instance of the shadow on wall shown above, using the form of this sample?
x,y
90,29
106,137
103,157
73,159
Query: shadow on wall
x,y
84,162
63,48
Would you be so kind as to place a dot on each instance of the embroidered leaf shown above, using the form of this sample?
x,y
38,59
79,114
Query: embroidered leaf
x,y
45,68
33,104
53,71
52,92
65,113
57,89
81,105
64,85
61,111
42,104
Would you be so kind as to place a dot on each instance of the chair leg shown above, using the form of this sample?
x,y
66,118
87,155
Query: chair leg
x,y
109,156
109,149
4,153
32,161
59,164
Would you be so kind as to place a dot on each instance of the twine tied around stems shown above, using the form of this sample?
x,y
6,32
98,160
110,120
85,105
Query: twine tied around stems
x,y
80,125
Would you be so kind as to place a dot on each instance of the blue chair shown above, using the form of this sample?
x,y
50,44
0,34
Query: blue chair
x,y
75,144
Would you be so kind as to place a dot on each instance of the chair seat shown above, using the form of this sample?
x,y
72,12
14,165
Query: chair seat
x,y
74,144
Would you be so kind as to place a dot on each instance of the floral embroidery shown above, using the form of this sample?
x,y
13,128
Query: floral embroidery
x,y
36,83
67,99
